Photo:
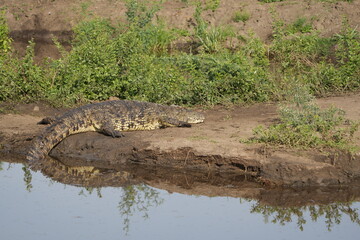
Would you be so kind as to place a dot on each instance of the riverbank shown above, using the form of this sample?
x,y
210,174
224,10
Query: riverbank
x,y
213,146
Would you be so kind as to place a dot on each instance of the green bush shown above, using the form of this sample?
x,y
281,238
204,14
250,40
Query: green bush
x,y
304,124
348,57
147,78
139,14
21,79
312,58
5,40
224,77
300,25
90,69
133,62
298,53
136,60
209,38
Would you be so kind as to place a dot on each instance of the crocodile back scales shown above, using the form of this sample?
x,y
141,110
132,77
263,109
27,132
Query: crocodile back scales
x,y
113,116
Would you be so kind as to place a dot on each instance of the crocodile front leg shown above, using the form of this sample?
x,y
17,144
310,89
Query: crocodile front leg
x,y
109,130
172,122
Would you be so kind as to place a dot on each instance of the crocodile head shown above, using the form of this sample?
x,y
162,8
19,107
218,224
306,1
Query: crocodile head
x,y
194,117
185,115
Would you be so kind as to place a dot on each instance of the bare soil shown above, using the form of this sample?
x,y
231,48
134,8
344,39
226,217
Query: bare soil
x,y
213,146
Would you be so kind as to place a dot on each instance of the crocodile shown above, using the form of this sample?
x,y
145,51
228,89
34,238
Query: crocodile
x,y
110,118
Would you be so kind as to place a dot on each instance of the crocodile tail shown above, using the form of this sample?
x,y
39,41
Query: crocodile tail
x,y
43,144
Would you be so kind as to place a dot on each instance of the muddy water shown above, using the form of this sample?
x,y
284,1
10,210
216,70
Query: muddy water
x,y
34,206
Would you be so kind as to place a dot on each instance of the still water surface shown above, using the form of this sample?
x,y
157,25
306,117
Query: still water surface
x,y
36,207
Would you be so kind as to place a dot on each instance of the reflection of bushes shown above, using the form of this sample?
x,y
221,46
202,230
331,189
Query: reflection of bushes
x,y
332,213
27,178
90,190
134,199
137,198
141,198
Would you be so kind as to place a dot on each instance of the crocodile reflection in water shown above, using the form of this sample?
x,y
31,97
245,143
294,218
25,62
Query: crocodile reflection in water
x,y
134,198
280,206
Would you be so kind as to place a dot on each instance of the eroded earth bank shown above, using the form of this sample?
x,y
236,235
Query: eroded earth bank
x,y
212,148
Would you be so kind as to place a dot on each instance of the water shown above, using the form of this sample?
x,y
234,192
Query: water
x,y
35,207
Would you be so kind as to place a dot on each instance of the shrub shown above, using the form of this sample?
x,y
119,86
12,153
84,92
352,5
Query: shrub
x,y
324,64
348,57
21,79
304,124
300,25
90,69
5,40
135,60
209,38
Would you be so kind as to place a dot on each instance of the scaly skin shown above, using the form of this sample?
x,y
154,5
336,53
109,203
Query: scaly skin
x,y
85,176
110,118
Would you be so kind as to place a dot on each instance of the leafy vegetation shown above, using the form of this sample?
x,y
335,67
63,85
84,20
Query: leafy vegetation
x,y
321,63
21,79
212,4
5,41
135,61
210,39
299,25
139,59
304,124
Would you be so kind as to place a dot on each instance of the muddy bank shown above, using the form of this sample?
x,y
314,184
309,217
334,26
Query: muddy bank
x,y
211,184
213,146
167,149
